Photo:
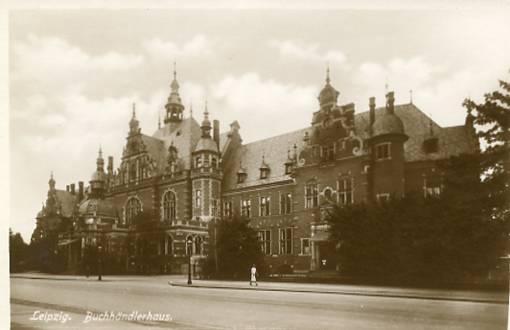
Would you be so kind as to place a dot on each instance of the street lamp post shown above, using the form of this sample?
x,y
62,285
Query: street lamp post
x,y
189,241
100,263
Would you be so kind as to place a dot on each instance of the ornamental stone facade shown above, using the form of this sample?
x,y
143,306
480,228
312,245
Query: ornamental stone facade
x,y
159,206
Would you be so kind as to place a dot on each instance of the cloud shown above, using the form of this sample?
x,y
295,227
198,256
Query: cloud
x,y
308,52
258,103
199,45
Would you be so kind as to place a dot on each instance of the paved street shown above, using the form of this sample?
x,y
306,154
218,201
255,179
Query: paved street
x,y
213,305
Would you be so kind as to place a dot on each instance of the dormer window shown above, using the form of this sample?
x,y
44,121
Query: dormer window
x,y
241,177
382,151
264,173
288,168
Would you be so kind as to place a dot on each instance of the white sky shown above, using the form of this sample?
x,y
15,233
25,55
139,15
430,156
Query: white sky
x,y
74,74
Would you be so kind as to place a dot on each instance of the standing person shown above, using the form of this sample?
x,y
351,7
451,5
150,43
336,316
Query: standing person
x,y
253,275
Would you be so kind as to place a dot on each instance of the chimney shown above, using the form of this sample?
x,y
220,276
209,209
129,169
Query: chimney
x,y
372,110
67,188
80,190
73,191
390,103
216,132
110,165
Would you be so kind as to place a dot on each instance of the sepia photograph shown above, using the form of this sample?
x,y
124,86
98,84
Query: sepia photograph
x,y
258,165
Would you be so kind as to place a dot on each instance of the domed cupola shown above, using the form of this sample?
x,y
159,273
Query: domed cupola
x,y
96,206
388,123
328,95
174,107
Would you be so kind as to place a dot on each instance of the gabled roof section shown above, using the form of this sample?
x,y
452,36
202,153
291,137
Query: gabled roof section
x,y
156,150
452,141
250,155
184,136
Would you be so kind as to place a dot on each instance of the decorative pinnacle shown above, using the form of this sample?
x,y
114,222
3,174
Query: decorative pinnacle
x,y
100,152
411,96
159,120
175,70
206,112
134,110
327,74
191,109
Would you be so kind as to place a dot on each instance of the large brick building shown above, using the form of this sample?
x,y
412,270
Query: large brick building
x,y
171,186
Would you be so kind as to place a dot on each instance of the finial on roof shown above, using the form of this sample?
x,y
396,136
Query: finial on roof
x,y
175,70
191,109
100,152
411,96
159,120
327,74
206,112
51,175
134,110
386,85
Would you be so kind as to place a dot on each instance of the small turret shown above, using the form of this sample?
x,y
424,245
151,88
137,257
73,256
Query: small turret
x,y
328,95
134,124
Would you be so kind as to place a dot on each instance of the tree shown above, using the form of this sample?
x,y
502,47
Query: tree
x,y
426,240
237,250
492,121
18,252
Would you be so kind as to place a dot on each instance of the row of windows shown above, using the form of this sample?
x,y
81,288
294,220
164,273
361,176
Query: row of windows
x,y
344,192
206,161
264,206
144,247
285,242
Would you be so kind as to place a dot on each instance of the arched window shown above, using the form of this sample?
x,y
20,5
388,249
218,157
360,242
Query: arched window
x,y
133,207
169,206
198,245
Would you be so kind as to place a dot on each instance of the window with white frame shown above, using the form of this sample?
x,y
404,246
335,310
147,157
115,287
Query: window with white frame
x,y
383,151
265,206
431,187
285,240
311,195
285,203
227,209
264,237
246,208
305,247
383,197
345,194
198,198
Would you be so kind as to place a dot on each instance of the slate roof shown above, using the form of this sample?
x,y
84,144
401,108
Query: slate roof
x,y
184,136
451,140
156,149
66,201
274,150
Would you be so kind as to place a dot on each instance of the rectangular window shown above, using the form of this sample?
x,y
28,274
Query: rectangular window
x,y
246,208
285,203
286,241
305,247
345,191
198,198
206,160
214,207
198,162
227,209
311,196
265,206
382,151
383,198
328,153
265,241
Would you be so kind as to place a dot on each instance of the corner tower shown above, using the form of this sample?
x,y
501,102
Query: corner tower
x,y
174,107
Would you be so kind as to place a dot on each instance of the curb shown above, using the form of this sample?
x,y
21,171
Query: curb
x,y
345,293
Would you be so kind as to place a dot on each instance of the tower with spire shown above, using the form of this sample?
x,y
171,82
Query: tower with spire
x,y
174,107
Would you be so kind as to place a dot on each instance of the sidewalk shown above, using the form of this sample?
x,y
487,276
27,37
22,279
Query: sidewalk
x,y
496,297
